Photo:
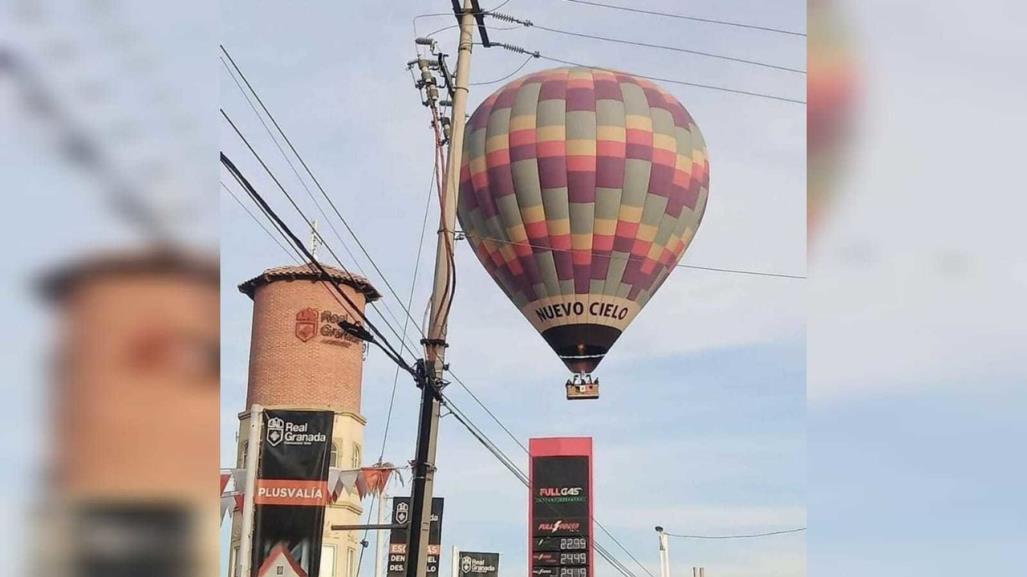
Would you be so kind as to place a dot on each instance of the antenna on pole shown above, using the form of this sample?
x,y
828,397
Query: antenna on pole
x,y
315,239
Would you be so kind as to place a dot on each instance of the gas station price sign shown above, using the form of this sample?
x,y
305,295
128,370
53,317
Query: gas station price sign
x,y
561,507
561,543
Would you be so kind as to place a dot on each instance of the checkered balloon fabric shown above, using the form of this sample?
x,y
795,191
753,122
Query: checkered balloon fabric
x,y
580,190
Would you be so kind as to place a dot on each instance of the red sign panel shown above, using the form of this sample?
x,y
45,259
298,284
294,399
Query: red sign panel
x,y
291,493
560,511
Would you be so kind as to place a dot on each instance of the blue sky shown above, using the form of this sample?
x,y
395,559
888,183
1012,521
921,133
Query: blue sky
x,y
916,320
701,427
914,417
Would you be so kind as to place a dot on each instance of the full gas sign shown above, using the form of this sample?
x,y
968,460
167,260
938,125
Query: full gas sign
x,y
560,512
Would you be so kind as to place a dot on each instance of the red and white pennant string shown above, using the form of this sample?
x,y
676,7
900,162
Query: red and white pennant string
x,y
361,482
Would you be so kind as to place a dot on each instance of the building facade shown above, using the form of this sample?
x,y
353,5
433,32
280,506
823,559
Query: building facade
x,y
301,359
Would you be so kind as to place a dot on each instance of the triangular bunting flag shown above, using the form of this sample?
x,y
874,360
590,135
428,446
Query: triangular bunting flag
x,y
238,501
226,502
333,482
376,478
348,481
361,484
239,479
224,482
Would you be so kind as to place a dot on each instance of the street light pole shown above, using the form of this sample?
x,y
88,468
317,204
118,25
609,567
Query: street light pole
x,y
379,543
664,553
248,508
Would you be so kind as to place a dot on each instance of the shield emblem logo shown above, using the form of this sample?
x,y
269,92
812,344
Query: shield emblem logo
x,y
306,324
275,431
402,513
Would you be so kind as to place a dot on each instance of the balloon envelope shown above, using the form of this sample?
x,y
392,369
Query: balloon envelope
x,y
580,190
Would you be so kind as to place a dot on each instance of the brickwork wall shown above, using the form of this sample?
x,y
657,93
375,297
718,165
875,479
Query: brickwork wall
x,y
288,365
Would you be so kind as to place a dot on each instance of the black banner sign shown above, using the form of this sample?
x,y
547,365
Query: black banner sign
x,y
291,489
398,537
472,564
561,509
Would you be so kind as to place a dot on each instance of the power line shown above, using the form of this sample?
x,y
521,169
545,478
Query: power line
x,y
312,263
260,224
292,201
429,15
670,48
380,339
306,188
486,409
412,287
739,271
508,76
452,26
751,536
498,453
684,82
622,547
331,203
684,17
630,257
525,449
376,499
523,478
410,297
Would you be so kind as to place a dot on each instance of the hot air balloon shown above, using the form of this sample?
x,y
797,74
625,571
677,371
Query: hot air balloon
x,y
580,190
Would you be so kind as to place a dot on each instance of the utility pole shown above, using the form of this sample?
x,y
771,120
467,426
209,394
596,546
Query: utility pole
x,y
664,553
430,371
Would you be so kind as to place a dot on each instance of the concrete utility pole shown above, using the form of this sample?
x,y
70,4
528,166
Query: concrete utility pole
x,y
430,373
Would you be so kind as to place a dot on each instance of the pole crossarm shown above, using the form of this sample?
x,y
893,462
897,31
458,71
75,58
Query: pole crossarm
x,y
371,526
479,18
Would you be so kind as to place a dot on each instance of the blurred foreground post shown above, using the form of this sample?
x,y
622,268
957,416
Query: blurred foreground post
x,y
135,396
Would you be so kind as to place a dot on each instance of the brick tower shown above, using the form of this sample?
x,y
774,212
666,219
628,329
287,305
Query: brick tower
x,y
300,359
